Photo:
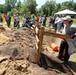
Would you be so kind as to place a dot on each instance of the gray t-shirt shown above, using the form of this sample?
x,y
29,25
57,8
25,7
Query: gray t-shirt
x,y
69,30
18,18
24,20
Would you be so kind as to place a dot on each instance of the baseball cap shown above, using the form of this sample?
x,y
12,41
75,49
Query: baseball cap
x,y
67,18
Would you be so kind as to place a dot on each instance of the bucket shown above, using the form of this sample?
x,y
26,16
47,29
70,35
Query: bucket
x,y
54,46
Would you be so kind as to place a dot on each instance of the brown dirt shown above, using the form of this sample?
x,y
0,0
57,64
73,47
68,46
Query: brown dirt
x,y
18,54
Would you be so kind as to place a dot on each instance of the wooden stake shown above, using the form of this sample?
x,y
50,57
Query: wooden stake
x,y
40,36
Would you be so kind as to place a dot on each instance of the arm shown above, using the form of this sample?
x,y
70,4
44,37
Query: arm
x,y
73,29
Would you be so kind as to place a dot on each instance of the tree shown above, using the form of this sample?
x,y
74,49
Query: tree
x,y
31,5
48,7
19,5
24,8
74,6
1,8
67,5
11,3
58,7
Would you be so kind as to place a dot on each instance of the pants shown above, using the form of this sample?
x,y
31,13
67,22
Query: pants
x,y
63,53
55,27
8,23
17,24
44,23
59,27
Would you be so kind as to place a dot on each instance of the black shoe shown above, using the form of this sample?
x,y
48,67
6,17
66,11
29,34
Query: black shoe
x,y
66,58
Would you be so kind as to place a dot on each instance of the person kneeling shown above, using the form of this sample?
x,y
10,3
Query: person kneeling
x,y
67,46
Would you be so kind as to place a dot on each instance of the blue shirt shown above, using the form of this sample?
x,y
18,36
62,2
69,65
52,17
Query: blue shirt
x,y
8,17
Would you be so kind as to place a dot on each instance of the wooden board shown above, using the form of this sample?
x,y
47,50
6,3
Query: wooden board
x,y
49,33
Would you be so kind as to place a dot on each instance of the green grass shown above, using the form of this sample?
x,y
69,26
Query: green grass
x,y
74,21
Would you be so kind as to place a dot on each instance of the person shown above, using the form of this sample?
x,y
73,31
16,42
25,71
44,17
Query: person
x,y
33,19
56,17
24,21
8,20
1,19
44,20
15,15
51,21
67,46
37,19
17,19
59,24
28,21
5,16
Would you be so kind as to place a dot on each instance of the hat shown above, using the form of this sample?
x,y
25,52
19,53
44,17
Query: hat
x,y
67,18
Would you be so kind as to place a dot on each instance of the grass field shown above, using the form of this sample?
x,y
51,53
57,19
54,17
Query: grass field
x,y
74,21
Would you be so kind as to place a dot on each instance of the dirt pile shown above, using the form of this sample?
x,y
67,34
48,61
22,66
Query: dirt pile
x,y
18,44
18,54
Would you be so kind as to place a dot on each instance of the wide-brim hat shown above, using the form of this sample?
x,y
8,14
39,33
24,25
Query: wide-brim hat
x,y
67,18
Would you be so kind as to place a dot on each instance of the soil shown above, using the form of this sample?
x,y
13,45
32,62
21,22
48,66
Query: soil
x,y
18,54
